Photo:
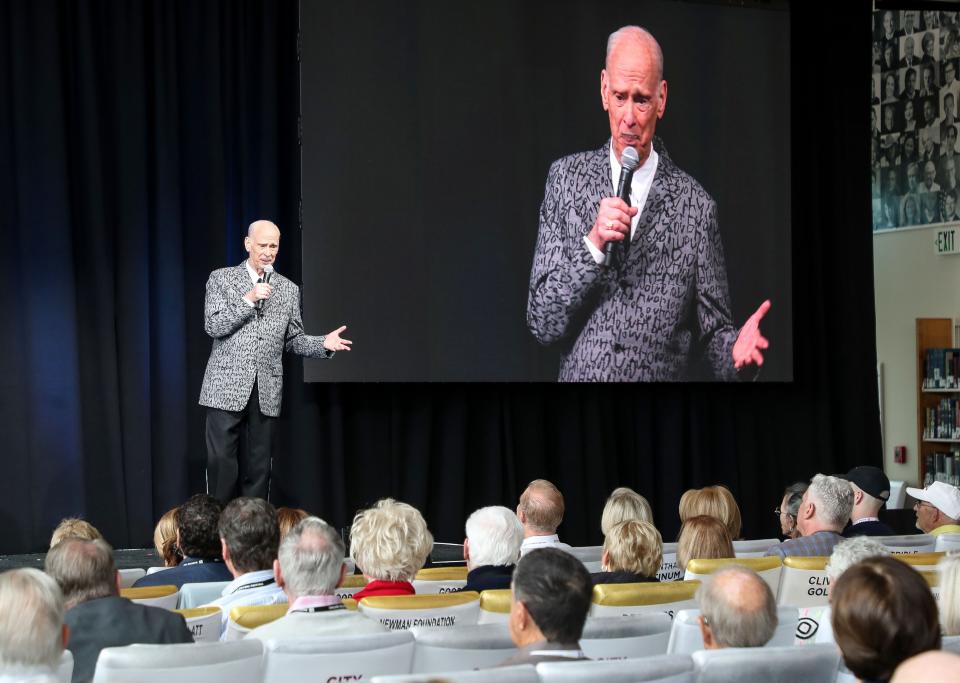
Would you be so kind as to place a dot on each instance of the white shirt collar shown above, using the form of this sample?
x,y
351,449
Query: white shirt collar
x,y
642,176
251,271
246,579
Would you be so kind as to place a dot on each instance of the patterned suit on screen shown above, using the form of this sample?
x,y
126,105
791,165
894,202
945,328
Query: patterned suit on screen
x,y
649,317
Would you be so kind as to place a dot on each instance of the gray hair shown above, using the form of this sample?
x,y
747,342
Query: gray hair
x,y
834,499
636,33
739,607
31,620
847,553
84,569
311,558
949,570
794,495
495,536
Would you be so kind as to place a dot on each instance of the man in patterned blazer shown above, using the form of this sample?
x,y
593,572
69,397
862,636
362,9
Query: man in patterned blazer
x,y
663,304
251,322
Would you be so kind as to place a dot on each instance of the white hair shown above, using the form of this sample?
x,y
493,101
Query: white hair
x,y
311,557
636,32
851,551
495,536
390,541
31,620
834,499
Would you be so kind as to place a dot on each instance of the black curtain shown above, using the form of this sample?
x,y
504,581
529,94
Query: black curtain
x,y
138,139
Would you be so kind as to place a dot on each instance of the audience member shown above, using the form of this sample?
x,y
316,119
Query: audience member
x,y
96,614
882,613
165,539
543,627
824,511
249,537
389,543
949,570
789,506
713,501
491,548
932,666
197,538
737,609
308,570
288,517
74,527
871,490
32,632
703,538
623,504
845,554
937,508
632,553
541,512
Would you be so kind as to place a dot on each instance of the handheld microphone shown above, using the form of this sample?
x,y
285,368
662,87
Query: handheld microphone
x,y
628,164
267,272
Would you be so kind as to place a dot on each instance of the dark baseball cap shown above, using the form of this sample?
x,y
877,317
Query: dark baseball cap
x,y
870,480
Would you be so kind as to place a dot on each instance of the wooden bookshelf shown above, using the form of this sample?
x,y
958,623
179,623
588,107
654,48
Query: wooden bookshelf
x,y
932,333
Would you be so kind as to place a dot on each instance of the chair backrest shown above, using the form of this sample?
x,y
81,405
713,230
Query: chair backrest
x,y
494,606
239,662
765,664
933,580
756,547
620,599
947,543
65,667
479,646
814,626
154,570
204,623
637,635
197,594
129,576
352,584
767,567
898,494
803,582
337,658
950,644
154,596
437,580
659,669
587,553
669,569
686,638
433,611
911,543
245,618
508,674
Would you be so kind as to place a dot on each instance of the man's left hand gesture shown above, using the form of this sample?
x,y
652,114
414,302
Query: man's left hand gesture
x,y
750,342
333,342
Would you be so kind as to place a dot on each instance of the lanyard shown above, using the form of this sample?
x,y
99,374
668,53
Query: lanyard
x,y
258,584
318,608
566,654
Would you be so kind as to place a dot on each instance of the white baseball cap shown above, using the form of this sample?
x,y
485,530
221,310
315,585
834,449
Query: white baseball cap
x,y
944,497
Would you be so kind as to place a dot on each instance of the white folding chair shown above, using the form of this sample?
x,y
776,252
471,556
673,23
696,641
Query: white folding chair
x,y
637,635
950,644
508,674
767,664
245,618
465,647
199,594
947,543
803,582
754,548
437,580
911,543
129,576
686,638
494,606
432,611
153,596
154,570
657,669
767,567
352,584
898,494
204,623
587,553
238,662
337,658
65,667
814,626
669,569
621,599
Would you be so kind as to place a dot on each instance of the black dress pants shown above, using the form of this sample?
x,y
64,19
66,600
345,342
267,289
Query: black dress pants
x,y
231,470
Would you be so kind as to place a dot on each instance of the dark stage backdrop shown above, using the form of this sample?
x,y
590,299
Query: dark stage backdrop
x,y
442,129
137,140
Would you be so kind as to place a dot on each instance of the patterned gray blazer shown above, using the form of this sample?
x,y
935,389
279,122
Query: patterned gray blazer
x,y
647,318
248,345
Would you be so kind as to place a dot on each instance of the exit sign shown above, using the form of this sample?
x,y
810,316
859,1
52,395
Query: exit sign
x,y
947,241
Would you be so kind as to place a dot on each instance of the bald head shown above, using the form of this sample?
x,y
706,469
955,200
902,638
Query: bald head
x,y
632,38
737,608
933,666
541,508
263,225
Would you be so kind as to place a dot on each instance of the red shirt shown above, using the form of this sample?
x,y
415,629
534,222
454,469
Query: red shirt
x,y
377,588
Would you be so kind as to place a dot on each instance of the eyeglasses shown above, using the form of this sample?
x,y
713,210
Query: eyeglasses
x,y
779,512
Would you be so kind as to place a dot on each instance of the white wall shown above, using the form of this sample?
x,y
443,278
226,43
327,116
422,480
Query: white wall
x,y
911,282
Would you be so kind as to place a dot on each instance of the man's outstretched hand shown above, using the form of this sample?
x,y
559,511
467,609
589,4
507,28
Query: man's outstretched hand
x,y
333,342
750,342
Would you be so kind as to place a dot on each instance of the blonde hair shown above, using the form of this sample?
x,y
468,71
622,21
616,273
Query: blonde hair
x,y
542,506
703,538
287,519
390,541
634,546
949,570
713,501
623,504
165,538
74,527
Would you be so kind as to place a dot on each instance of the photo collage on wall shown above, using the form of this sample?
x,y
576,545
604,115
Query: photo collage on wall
x,y
914,125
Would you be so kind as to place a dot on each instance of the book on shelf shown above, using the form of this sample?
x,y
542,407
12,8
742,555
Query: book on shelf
x,y
942,421
941,369
942,466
